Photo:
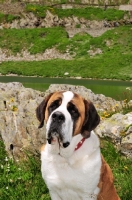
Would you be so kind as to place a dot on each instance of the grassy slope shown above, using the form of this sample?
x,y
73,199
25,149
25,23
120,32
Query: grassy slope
x,y
90,13
91,68
24,181
115,62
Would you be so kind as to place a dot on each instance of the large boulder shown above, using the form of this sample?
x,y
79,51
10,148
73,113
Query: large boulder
x,y
119,129
19,125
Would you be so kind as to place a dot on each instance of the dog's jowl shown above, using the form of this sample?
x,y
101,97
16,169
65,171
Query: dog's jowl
x,y
71,163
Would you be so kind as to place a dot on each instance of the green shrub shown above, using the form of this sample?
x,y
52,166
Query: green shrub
x,y
7,18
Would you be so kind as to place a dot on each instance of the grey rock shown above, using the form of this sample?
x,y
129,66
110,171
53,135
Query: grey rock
x,y
115,128
19,125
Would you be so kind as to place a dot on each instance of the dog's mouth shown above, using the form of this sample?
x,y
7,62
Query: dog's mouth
x,y
53,136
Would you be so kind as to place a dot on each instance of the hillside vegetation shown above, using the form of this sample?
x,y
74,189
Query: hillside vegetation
x,y
91,13
113,61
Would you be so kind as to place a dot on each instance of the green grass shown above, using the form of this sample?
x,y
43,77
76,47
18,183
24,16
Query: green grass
x,y
91,13
100,68
115,62
22,180
7,18
121,167
113,42
34,40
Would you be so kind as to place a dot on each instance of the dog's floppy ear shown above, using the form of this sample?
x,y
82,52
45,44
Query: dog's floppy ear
x,y
92,119
40,110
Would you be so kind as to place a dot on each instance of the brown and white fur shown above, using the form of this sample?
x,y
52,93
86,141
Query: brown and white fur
x,y
71,172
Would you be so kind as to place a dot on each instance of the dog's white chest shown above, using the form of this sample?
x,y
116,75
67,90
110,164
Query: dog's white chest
x,y
72,178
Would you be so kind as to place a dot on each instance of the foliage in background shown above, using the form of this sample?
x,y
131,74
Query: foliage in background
x,y
115,62
7,18
91,13
113,42
38,10
34,40
100,68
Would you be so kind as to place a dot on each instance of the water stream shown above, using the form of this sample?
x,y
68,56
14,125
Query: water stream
x,y
116,89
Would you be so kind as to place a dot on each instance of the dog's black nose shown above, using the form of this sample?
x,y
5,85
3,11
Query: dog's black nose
x,y
66,144
58,117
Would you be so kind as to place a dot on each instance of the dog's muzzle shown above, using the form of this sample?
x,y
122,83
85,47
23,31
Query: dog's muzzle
x,y
57,119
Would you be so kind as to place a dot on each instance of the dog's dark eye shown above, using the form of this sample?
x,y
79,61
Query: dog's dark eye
x,y
73,110
55,104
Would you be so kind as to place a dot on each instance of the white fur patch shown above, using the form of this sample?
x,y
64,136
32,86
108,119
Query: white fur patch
x,y
67,97
76,177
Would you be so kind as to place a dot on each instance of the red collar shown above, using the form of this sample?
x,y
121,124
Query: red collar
x,y
80,144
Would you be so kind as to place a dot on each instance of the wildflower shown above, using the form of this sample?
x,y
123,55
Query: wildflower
x,y
11,181
14,108
125,167
105,112
7,187
6,159
12,99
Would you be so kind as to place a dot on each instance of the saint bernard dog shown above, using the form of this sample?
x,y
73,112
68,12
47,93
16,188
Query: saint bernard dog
x,y
72,165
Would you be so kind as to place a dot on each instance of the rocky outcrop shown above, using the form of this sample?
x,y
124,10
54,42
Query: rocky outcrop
x,y
19,126
119,129
72,24
18,123
25,55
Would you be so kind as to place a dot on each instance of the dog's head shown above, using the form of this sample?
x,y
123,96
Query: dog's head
x,y
67,114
